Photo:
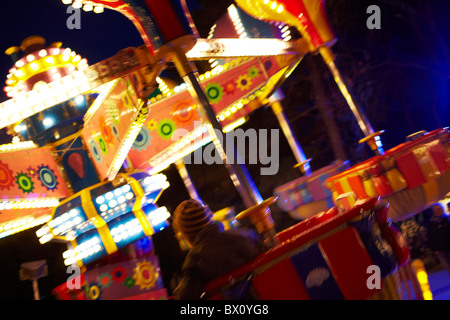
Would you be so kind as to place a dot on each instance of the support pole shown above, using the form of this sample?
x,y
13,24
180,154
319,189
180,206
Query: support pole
x,y
372,137
236,167
182,170
36,289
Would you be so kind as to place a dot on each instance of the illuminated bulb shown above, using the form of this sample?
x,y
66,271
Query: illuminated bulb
x,y
47,122
129,195
77,220
34,66
67,1
280,8
76,58
109,196
126,188
20,64
77,4
19,73
65,57
30,57
42,53
88,7
50,60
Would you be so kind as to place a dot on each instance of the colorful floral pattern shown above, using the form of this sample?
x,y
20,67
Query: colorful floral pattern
x,y
6,177
119,274
214,92
24,182
166,128
184,112
142,140
244,82
253,72
145,275
47,177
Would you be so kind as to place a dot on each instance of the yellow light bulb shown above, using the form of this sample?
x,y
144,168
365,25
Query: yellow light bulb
x,y
19,73
34,66
50,60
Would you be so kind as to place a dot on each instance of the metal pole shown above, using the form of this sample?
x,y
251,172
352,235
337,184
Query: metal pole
x,y
36,290
374,139
182,170
236,167
299,155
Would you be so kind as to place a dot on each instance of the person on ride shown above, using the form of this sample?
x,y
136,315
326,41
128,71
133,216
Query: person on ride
x,y
213,251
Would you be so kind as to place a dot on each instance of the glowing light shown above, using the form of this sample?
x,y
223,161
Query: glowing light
x,y
19,73
88,7
98,9
47,122
34,66
19,63
77,4
42,53
50,60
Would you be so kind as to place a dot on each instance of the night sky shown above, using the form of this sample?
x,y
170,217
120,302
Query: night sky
x,y
400,73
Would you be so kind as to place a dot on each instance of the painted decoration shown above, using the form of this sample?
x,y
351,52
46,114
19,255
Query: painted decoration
x,y
41,179
126,280
177,117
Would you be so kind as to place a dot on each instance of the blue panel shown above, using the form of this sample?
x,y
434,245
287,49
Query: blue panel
x,y
316,275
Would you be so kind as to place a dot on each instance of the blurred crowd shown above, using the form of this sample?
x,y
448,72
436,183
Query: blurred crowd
x,y
428,236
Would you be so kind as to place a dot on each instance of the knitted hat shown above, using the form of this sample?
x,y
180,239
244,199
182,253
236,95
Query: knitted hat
x,y
190,217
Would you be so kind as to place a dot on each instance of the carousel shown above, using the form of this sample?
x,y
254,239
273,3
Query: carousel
x,y
101,135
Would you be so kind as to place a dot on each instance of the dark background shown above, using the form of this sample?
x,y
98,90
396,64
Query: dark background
x,y
398,75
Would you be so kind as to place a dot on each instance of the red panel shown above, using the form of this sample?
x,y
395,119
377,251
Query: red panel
x,y
348,260
166,19
280,282
380,182
357,186
408,166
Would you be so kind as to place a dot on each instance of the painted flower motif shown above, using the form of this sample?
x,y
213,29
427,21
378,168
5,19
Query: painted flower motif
x,y
229,88
6,177
24,182
94,292
214,92
142,140
184,112
32,172
166,128
253,72
95,150
102,145
152,125
244,82
129,282
118,274
104,280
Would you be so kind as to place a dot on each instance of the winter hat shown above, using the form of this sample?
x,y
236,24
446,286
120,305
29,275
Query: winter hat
x,y
190,217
